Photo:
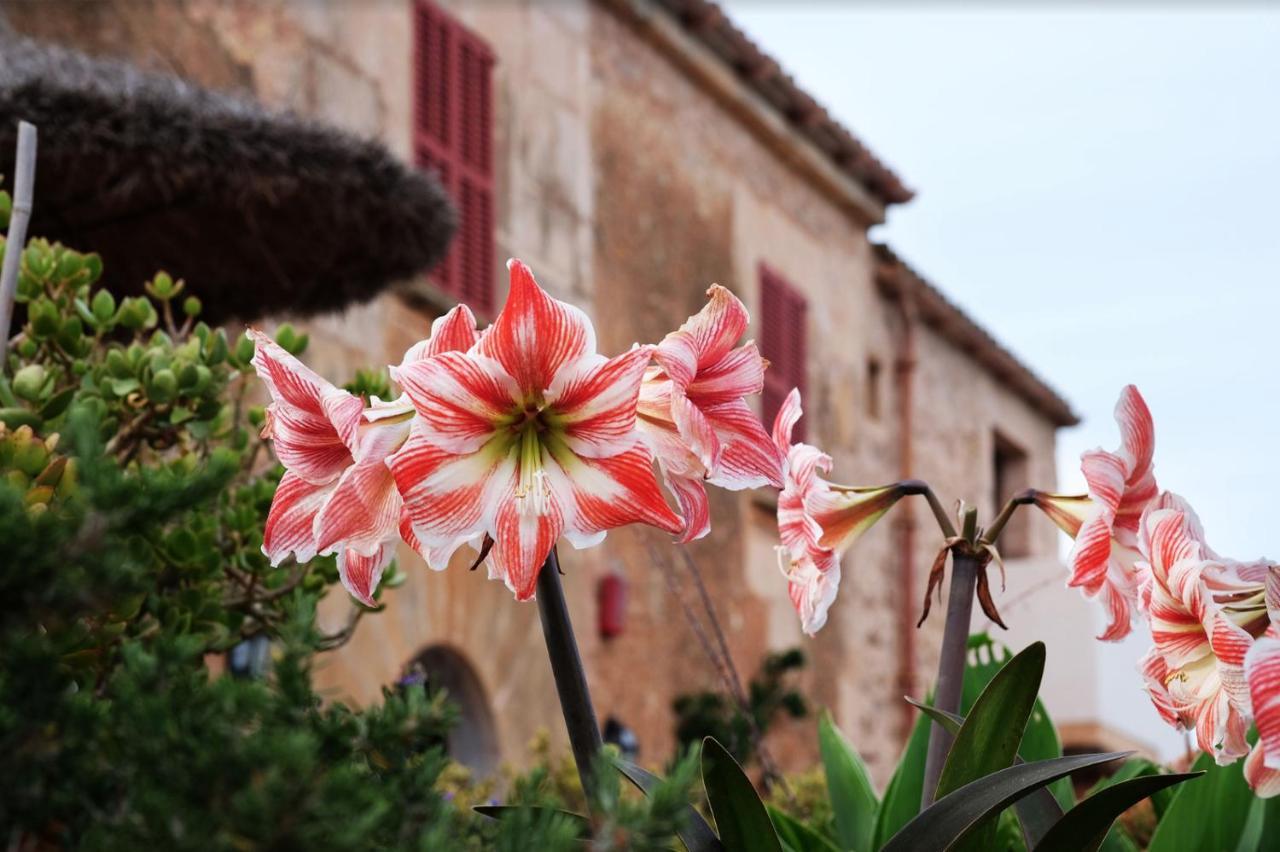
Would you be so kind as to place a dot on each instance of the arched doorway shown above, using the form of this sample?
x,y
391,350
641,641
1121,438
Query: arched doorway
x,y
474,741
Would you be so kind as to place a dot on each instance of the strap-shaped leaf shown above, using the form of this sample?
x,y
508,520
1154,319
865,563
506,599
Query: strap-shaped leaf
x,y
1038,811
1209,814
1085,826
853,799
954,816
500,811
797,836
992,731
740,815
696,835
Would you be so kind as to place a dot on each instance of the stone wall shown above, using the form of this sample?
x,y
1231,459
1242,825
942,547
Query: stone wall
x,y
629,188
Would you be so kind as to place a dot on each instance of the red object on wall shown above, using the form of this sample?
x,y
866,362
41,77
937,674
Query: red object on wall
x,y
784,342
612,605
453,136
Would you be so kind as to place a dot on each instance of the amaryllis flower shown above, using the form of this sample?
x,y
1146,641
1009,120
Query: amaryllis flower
x,y
527,436
1105,523
694,414
817,521
337,494
316,430
1189,684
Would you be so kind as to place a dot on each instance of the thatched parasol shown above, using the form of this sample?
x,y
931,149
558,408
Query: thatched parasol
x,y
261,212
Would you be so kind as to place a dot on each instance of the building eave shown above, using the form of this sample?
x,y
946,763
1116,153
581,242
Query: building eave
x,y
701,40
896,279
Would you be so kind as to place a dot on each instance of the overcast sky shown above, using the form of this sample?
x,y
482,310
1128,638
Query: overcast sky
x,y
1099,189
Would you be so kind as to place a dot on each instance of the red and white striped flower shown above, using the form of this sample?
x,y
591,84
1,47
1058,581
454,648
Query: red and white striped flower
x,y
694,415
337,494
1105,523
1215,661
817,521
528,436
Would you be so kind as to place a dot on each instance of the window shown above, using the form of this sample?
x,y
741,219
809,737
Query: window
x,y
1009,476
453,136
784,342
873,388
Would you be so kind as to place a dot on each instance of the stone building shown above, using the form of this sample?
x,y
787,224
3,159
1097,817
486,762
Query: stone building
x,y
633,152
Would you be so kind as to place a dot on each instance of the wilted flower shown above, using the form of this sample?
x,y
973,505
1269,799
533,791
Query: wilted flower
x,y
818,521
694,415
527,436
1104,524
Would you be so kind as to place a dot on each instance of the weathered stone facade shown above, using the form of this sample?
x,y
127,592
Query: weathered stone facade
x,y
630,176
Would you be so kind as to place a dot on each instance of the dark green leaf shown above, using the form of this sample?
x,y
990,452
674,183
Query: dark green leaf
x,y
1209,814
798,836
696,835
1037,811
853,799
992,731
1262,828
740,815
500,811
1084,827
57,403
953,817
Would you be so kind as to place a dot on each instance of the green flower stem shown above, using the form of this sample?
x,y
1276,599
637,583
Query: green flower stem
x,y
566,668
951,661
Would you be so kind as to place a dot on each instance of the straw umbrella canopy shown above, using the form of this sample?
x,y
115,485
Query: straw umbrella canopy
x,y
261,212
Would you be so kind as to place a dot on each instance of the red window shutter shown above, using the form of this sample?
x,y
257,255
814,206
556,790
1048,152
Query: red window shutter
x,y
453,136
784,342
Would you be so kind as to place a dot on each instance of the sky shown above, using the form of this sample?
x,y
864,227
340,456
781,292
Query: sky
x,y
1098,187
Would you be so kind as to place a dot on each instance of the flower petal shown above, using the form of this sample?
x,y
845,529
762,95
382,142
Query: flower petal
x,y
705,338
691,495
360,574
291,521
748,457
1262,667
601,494
1263,780
522,541
535,335
784,422
812,590
739,373
453,332
363,511
312,424
461,399
449,496
597,402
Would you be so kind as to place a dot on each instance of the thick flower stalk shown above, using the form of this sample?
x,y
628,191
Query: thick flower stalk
x,y
1104,523
527,436
694,415
818,521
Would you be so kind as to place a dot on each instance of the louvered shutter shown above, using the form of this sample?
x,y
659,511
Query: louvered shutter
x,y
784,342
453,136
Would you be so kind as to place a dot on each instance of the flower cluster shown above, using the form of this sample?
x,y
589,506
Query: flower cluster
x,y
508,439
1214,663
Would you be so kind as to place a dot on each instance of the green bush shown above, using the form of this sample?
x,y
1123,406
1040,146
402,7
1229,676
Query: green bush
x,y
133,491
